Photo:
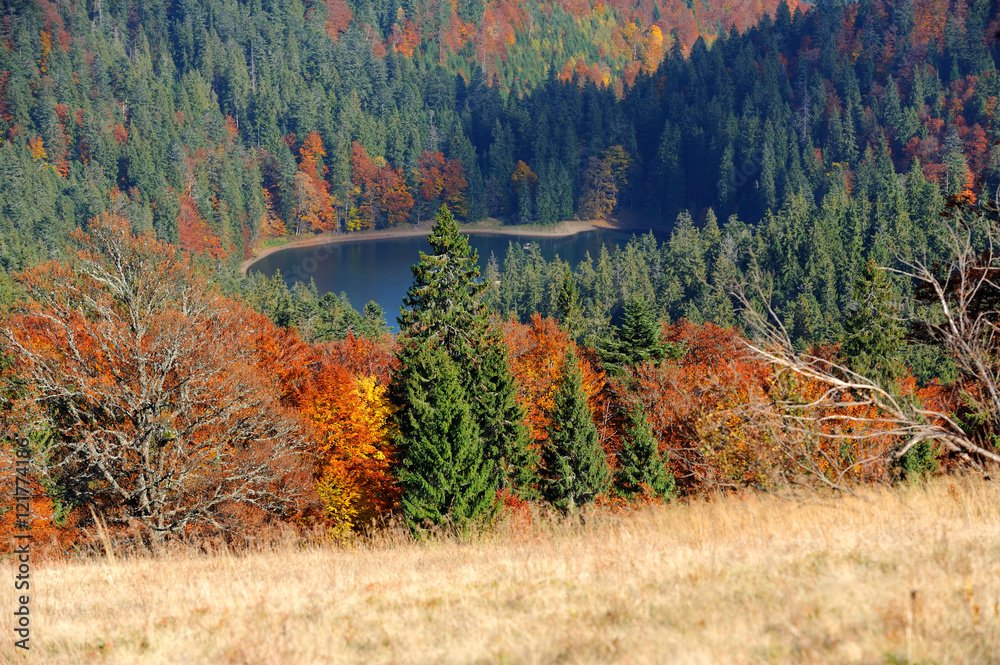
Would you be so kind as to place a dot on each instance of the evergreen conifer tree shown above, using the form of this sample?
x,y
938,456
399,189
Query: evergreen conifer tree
x,y
574,469
874,346
568,306
641,469
443,473
444,311
873,340
637,340
512,461
444,305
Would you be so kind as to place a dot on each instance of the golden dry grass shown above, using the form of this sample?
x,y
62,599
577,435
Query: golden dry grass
x,y
907,576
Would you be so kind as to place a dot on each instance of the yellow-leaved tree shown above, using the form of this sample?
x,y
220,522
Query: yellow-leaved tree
x,y
354,478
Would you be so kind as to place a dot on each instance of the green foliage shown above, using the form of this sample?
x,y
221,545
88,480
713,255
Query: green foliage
x,y
569,311
918,462
444,311
443,472
444,305
501,421
574,468
316,318
637,340
641,470
873,334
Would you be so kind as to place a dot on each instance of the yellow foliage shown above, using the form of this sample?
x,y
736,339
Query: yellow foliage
x,y
37,148
353,479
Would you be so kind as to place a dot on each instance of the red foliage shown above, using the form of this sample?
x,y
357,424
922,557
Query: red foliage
x,y
338,17
537,353
430,177
386,200
120,134
929,17
394,194
362,169
194,234
455,184
160,358
363,356
313,205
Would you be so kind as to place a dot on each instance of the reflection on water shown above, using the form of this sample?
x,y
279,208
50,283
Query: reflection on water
x,y
379,269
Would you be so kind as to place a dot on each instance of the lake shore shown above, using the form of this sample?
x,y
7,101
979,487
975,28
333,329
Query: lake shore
x,y
560,230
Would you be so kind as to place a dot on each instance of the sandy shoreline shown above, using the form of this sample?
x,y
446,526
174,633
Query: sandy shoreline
x,y
560,230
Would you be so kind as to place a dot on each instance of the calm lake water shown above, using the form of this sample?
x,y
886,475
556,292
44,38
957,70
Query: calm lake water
x,y
379,269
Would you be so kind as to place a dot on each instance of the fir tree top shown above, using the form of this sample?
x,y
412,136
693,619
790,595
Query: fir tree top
x,y
445,300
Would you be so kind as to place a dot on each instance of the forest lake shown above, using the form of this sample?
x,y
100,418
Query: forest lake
x,y
377,267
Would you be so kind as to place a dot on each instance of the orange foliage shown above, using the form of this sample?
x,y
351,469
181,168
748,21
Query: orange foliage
x,y
271,224
120,134
37,148
717,417
309,154
653,50
194,234
385,196
405,39
523,176
537,353
338,17
362,169
24,491
354,471
454,186
172,402
54,23
46,44
929,17
313,205
363,356
430,176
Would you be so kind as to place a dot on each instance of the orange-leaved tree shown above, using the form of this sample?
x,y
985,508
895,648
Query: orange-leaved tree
x,y
313,204
537,353
193,232
354,475
150,390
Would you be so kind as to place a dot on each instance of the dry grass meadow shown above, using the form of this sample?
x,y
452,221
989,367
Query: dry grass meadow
x,y
895,576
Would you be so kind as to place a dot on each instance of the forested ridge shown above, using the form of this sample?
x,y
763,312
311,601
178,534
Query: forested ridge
x,y
217,124
822,313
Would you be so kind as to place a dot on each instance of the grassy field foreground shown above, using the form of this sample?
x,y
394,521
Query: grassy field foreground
x,y
898,576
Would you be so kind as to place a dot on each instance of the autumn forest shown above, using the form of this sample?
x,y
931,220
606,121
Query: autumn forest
x,y
819,313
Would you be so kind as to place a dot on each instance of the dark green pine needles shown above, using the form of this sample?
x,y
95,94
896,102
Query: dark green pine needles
x,y
574,469
457,447
637,340
641,469
444,475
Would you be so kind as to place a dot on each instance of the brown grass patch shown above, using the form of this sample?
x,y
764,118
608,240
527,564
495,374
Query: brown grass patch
x,y
896,576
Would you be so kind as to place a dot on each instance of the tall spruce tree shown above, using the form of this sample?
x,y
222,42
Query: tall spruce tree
x,y
444,309
574,469
641,469
568,306
512,461
445,305
874,344
444,475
